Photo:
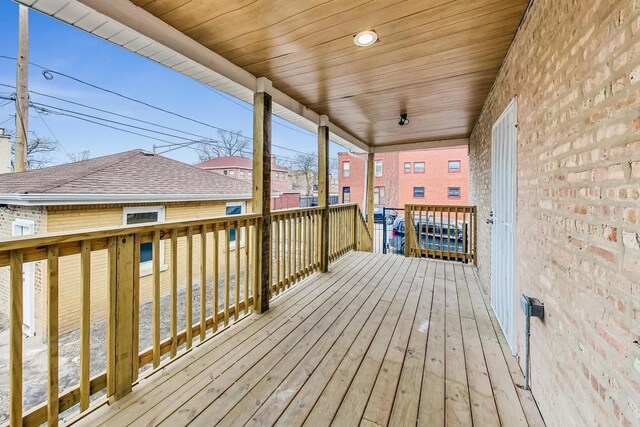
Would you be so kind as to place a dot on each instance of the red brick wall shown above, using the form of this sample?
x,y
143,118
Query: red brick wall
x,y
285,201
399,186
436,179
574,67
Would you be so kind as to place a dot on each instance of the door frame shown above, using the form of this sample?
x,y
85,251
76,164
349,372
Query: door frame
x,y
29,281
512,336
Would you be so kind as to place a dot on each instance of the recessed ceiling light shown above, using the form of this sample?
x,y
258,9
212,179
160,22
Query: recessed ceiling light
x,y
365,38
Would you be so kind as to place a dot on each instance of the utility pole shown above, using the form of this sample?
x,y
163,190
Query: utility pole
x,y
22,93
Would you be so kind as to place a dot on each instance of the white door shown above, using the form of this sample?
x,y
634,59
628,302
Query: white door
x,y
503,196
22,227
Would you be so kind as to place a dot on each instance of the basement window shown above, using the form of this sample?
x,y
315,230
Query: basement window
x,y
146,215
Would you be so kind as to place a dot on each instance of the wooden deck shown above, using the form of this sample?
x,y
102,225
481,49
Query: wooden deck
x,y
379,340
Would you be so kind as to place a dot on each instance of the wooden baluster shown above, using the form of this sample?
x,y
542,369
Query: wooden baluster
x,y
247,244
290,252
156,298
174,293
296,252
135,350
236,313
216,260
309,245
85,322
15,349
227,247
189,296
278,254
474,227
448,233
52,337
203,282
455,233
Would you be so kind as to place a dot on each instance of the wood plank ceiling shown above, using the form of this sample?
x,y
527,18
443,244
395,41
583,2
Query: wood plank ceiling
x,y
435,59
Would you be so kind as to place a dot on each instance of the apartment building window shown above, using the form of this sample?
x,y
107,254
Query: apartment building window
x,y
145,215
232,173
345,169
407,167
418,167
225,172
454,166
378,167
241,174
378,196
453,192
418,192
346,194
249,174
234,208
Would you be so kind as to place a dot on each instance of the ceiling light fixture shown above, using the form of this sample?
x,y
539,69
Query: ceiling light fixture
x,y
365,38
404,120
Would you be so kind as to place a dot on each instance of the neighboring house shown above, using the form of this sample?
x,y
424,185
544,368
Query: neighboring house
x,y
127,188
283,195
437,176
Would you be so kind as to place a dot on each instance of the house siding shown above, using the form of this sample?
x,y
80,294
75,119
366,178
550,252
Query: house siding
x,y
87,217
573,67
38,216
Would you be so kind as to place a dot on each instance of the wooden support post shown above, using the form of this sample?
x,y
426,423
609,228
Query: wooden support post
x,y
120,325
262,189
323,191
370,219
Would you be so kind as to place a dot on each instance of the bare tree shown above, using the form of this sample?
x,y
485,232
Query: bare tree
x,y
333,167
79,156
39,151
229,143
306,166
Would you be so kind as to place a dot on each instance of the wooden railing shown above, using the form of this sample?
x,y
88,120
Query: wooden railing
x,y
209,261
441,231
226,245
295,246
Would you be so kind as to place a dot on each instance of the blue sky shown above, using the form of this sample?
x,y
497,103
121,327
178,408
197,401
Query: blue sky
x,y
66,49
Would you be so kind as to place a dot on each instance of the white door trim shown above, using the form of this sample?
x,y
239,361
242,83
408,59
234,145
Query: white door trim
x,y
28,281
504,147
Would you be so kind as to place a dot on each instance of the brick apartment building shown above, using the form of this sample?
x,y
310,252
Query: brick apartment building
x,y
242,168
437,176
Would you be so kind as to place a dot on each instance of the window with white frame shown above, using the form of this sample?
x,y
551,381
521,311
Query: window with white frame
x,y
407,167
378,167
418,167
241,174
454,166
145,215
345,169
232,173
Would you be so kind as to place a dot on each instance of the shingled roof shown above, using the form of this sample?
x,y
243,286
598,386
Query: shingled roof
x,y
134,175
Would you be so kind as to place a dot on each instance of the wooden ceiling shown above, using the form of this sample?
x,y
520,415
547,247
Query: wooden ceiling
x,y
435,59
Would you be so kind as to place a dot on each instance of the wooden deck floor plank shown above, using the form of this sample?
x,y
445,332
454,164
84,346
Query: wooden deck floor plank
x,y
345,353
353,404
529,405
378,341
407,400
206,390
253,327
162,402
431,411
258,382
381,400
288,378
483,407
509,409
458,408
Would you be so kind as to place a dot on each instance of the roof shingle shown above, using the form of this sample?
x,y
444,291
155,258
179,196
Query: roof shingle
x,y
130,172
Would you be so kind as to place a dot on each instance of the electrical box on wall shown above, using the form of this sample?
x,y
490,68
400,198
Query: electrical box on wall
x,y
532,306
